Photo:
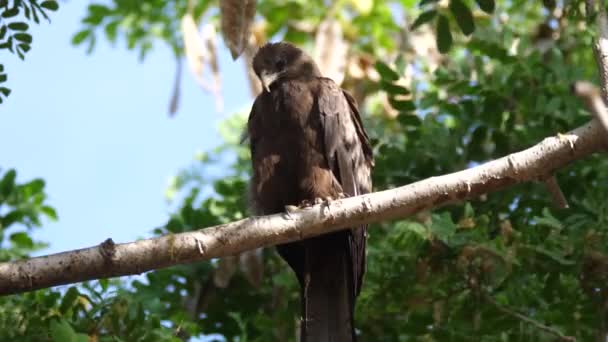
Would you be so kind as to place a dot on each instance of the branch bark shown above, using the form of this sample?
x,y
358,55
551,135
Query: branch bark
x,y
112,260
600,50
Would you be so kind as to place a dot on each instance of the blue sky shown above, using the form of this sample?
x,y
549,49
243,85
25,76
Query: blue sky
x,y
96,129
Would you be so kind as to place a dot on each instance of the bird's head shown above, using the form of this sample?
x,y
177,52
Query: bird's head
x,y
275,61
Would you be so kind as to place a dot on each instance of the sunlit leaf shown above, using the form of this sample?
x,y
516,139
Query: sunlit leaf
x,y
80,36
22,240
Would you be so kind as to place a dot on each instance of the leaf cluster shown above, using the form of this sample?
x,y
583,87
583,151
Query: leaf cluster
x,y
14,30
22,207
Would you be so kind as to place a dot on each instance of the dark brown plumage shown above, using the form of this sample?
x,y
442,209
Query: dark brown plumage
x,y
307,142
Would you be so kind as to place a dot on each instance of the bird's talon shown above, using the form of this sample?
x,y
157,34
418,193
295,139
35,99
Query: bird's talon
x,y
305,204
290,208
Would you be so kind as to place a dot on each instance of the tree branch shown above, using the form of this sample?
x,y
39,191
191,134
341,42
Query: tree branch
x,y
593,101
111,260
556,192
600,50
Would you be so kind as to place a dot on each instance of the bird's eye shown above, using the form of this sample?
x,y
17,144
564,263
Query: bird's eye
x,y
280,64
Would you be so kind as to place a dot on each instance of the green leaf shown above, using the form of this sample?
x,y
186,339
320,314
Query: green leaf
x,y
476,145
3,78
386,72
402,105
7,184
444,36
553,255
442,226
49,212
3,30
411,120
18,26
111,30
22,240
424,2
61,331
23,37
9,13
69,299
81,338
549,4
463,16
91,45
424,18
486,5
98,10
12,218
5,91
80,36
393,89
27,13
34,186
35,14
24,47
548,220
50,5
104,283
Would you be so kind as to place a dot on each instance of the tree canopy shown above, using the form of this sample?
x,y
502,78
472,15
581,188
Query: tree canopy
x,y
443,86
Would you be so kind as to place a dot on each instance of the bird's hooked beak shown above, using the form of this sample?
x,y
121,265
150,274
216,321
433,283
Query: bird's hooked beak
x,y
267,79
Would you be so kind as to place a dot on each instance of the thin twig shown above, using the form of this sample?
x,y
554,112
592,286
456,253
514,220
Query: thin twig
x,y
556,192
527,319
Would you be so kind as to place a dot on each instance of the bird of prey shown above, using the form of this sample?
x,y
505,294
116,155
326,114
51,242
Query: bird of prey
x,y
308,143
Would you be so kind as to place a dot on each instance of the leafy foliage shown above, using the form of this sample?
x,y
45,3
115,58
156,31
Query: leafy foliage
x,y
84,313
505,266
460,12
22,207
140,23
14,35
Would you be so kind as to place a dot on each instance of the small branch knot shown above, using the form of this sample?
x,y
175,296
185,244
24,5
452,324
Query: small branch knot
x,y
107,249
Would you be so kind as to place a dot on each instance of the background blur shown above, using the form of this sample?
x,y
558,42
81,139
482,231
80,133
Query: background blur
x,y
96,128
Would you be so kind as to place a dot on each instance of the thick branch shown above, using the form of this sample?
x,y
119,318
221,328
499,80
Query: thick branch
x,y
593,101
600,50
111,260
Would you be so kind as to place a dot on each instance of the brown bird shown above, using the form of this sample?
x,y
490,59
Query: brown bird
x,y
307,143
